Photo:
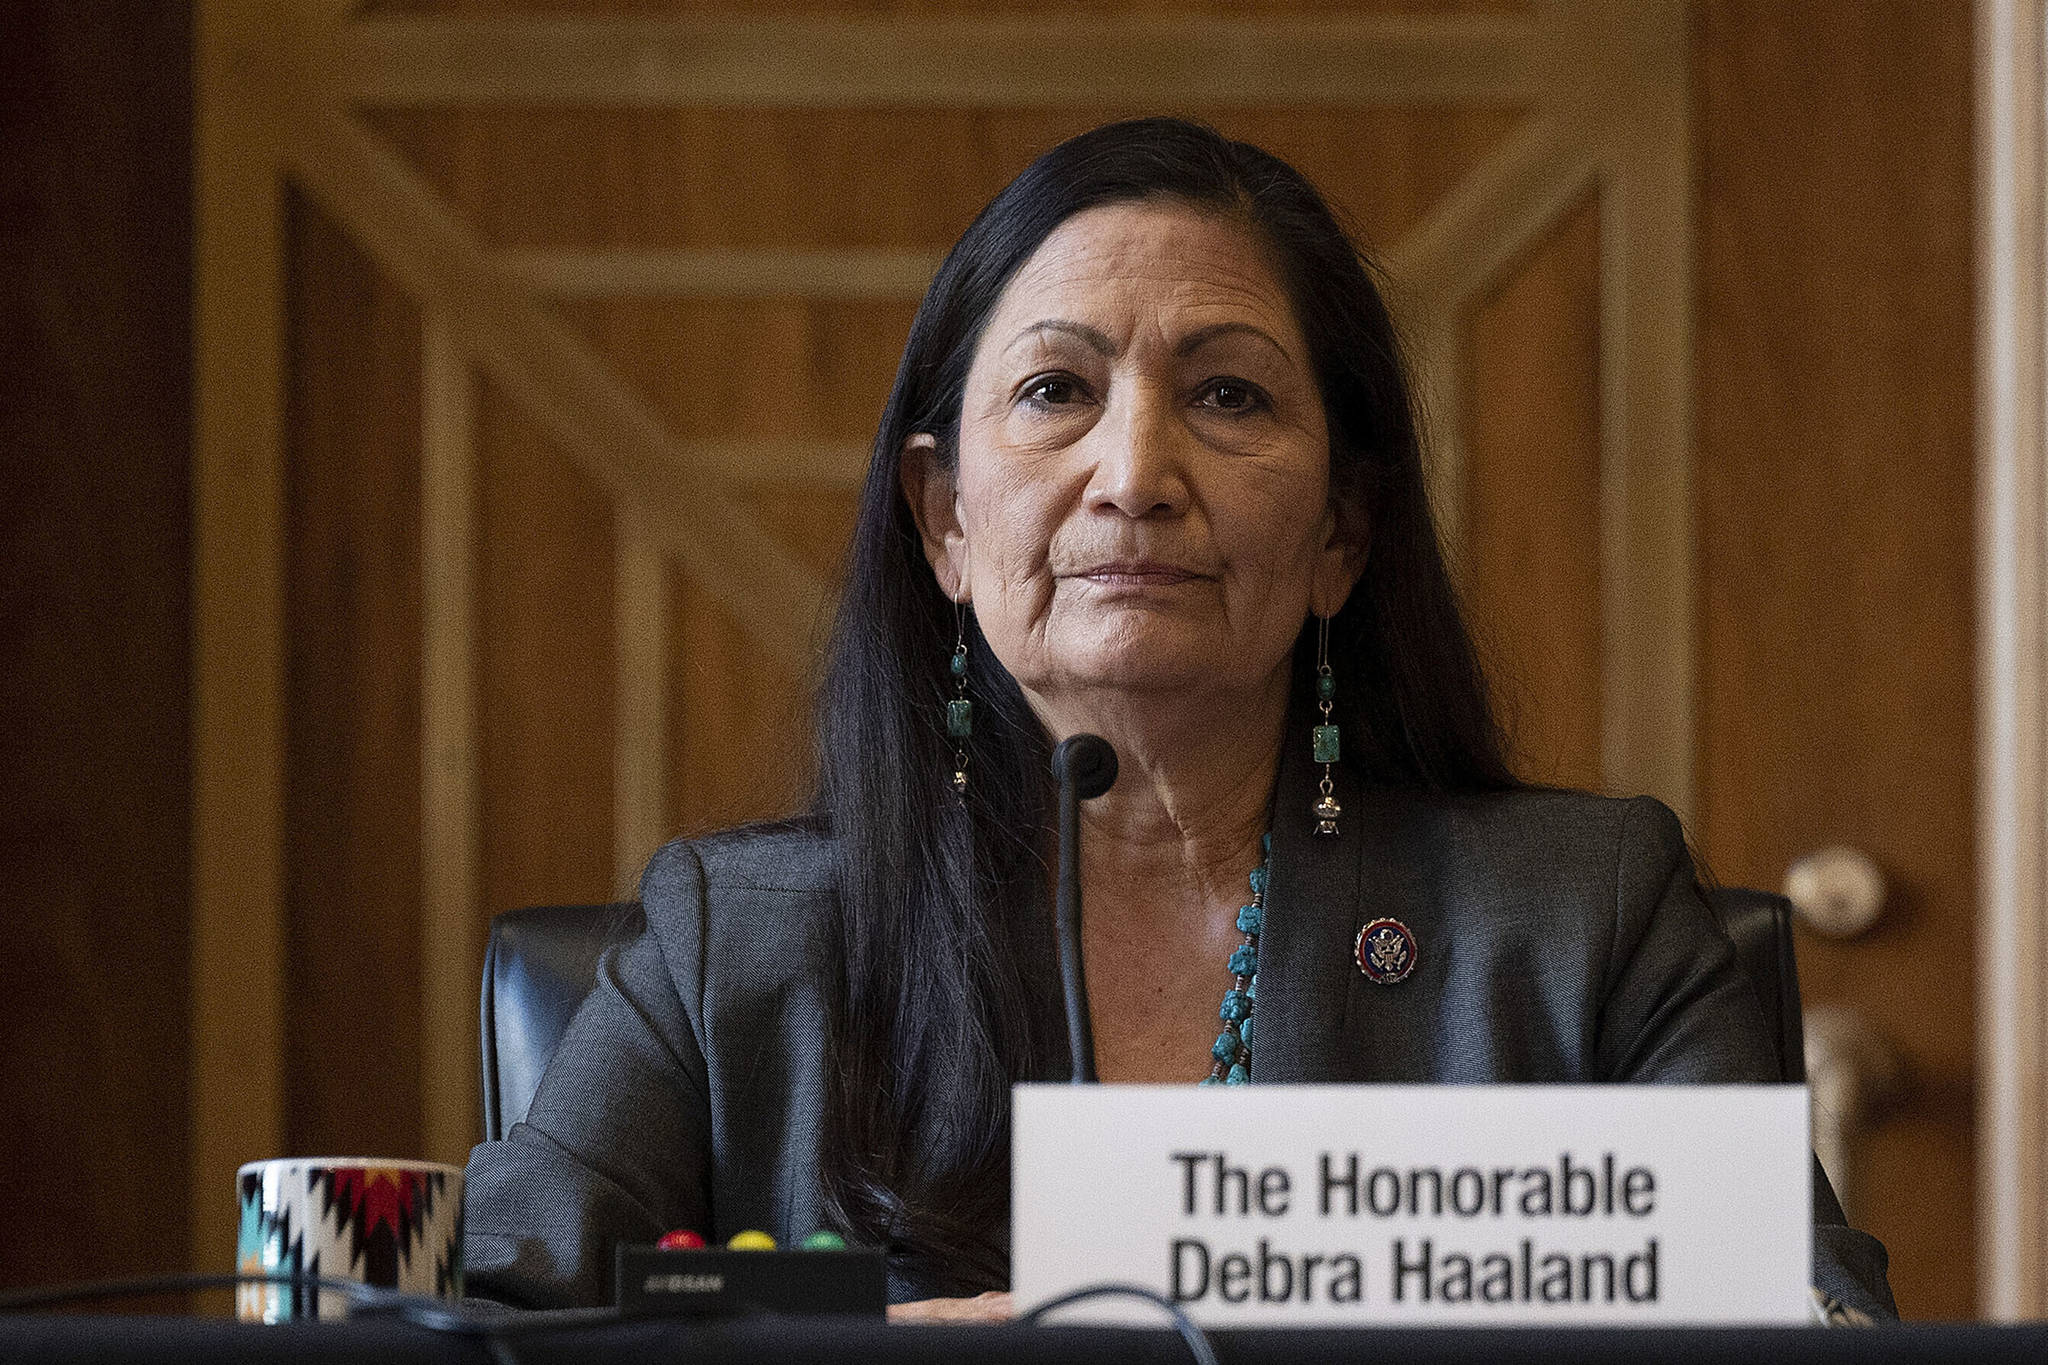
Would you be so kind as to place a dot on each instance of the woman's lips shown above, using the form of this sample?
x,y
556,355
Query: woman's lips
x,y
1137,574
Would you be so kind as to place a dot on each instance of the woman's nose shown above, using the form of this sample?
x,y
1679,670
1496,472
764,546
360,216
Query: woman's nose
x,y
1140,460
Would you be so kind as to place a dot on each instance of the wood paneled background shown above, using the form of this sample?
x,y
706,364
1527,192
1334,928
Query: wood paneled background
x,y
1829,292
471,571
95,610
1836,492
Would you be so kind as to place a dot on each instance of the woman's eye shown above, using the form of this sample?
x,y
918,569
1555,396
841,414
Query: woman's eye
x,y
1053,390
1232,395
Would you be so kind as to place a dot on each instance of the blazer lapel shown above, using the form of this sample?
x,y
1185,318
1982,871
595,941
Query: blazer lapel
x,y
1304,947
1319,1018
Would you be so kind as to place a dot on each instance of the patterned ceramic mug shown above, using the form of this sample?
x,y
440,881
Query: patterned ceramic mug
x,y
397,1224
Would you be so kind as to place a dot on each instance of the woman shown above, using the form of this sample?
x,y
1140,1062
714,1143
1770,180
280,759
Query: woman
x,y
1150,470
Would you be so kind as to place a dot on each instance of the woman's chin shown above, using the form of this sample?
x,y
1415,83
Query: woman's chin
x,y
1157,655
1157,674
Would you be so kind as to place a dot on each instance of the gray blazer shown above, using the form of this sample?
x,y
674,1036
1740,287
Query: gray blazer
x,y
1560,937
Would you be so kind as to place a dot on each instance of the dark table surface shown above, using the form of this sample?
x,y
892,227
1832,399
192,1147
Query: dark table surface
x,y
799,1341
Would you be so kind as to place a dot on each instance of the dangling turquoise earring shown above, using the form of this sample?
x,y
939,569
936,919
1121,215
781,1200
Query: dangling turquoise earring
x,y
1324,736
959,711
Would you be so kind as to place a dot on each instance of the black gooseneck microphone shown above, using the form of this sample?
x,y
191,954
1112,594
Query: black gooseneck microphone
x,y
1085,768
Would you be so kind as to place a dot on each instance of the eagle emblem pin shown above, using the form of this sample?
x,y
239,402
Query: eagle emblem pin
x,y
1385,951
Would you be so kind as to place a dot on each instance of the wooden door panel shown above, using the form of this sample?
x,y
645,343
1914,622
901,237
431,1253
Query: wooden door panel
x,y
1531,559
1835,535
755,369
739,735
545,668
352,793
903,179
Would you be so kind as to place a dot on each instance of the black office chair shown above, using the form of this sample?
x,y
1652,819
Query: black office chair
x,y
1760,923
542,961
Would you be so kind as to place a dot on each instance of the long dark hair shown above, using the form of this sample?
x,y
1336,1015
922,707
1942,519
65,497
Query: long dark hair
x,y
949,991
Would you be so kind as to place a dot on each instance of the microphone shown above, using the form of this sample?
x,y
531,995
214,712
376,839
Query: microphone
x,y
1085,768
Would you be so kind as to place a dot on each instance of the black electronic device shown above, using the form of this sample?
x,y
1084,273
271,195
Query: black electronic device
x,y
713,1282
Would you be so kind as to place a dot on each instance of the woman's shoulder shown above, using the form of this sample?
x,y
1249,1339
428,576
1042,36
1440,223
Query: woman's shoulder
x,y
771,880
1547,828
1553,864
771,857
752,905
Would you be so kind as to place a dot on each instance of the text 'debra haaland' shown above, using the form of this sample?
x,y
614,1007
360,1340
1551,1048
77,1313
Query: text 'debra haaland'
x,y
1356,1205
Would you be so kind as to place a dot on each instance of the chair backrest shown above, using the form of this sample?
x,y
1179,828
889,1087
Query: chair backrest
x,y
539,965
542,961
1760,923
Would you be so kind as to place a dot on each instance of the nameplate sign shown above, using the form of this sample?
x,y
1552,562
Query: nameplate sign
x,y
1356,1205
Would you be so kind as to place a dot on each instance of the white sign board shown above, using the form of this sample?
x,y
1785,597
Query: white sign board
x,y
1352,1205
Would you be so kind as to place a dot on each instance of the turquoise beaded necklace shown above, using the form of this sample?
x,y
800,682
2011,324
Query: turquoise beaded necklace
x,y
1232,1050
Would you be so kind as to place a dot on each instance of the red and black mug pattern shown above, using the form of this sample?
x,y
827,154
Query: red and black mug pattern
x,y
393,1224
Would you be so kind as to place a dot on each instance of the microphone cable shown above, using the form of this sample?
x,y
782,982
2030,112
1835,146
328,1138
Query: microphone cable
x,y
1190,1332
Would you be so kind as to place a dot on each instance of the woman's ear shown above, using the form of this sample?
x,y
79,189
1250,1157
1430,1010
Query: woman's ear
x,y
934,498
1340,558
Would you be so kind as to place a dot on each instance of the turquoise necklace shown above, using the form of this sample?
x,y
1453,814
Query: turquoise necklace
x,y
1232,1050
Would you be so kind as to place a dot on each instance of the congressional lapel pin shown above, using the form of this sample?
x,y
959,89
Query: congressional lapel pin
x,y
1385,951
